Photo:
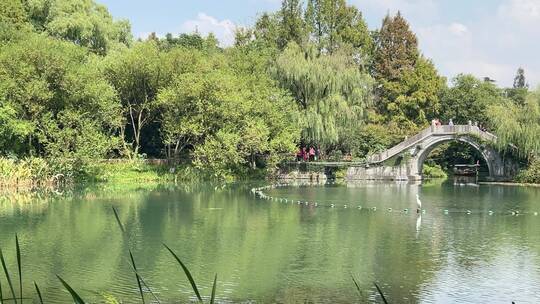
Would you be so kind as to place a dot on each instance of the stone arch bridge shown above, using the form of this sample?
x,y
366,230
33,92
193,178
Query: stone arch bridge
x,y
405,160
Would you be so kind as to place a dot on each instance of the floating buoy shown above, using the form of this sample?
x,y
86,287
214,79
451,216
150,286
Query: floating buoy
x,y
345,206
405,210
490,212
536,214
389,209
423,211
468,211
332,205
374,208
445,211
315,204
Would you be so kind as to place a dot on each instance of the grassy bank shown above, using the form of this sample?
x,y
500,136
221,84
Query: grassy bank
x,y
37,173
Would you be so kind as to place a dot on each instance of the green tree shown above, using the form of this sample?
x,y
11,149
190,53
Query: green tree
x,y
330,90
267,30
84,22
12,13
469,99
243,37
409,85
54,101
518,125
332,23
396,49
291,24
137,74
225,112
518,93
519,80
414,100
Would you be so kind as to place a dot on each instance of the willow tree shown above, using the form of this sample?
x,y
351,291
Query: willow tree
x,y
518,125
83,22
330,89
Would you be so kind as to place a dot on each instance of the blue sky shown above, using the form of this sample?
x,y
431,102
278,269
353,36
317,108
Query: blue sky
x,y
483,37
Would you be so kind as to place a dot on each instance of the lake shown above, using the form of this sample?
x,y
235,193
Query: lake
x,y
467,247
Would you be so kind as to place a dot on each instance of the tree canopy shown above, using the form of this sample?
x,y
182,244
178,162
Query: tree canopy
x,y
74,85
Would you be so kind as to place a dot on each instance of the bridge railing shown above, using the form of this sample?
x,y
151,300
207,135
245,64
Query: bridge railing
x,y
431,131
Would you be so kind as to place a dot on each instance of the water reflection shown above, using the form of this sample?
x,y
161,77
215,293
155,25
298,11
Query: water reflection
x,y
269,251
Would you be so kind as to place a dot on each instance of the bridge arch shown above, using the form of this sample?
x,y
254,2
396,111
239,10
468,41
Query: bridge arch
x,y
383,165
490,156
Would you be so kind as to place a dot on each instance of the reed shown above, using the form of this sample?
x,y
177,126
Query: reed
x,y
19,267
8,277
187,273
38,293
76,298
380,293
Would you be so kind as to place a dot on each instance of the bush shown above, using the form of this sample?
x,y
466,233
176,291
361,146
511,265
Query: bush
x,y
24,172
433,171
336,156
531,174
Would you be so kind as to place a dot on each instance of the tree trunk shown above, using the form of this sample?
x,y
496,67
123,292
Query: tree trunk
x,y
127,151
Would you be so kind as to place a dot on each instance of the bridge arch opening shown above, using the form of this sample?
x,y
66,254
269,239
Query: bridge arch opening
x,y
448,152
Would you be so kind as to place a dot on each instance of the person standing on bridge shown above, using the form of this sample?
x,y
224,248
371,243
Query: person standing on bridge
x,y
311,154
450,122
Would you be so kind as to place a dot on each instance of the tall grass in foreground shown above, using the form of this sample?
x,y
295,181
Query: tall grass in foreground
x,y
141,283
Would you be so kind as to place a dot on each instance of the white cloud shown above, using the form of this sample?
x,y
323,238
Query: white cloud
x,y
458,29
223,29
494,43
525,12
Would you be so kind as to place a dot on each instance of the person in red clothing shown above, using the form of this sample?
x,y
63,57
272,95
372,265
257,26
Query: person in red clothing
x,y
305,154
311,154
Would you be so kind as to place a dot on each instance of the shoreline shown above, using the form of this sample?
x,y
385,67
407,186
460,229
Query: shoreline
x,y
511,184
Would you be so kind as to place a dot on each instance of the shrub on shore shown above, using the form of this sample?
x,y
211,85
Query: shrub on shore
x,y
531,174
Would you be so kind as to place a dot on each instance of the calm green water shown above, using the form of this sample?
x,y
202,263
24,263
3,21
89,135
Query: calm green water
x,y
268,251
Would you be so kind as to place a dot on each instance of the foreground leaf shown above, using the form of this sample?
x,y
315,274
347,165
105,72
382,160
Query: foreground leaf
x,y
76,298
19,265
7,275
357,286
381,293
118,220
38,293
137,276
213,297
188,274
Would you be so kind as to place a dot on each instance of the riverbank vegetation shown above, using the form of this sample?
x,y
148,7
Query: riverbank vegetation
x,y
76,87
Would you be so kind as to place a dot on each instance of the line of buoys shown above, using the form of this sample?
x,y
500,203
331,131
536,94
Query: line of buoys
x,y
259,192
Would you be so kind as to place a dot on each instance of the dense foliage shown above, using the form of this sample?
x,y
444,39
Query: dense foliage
x,y
75,88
